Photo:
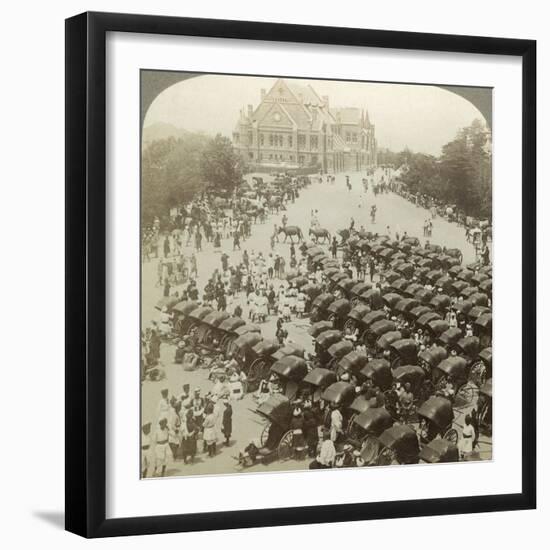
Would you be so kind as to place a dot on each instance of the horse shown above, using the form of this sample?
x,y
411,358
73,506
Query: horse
x,y
290,231
319,233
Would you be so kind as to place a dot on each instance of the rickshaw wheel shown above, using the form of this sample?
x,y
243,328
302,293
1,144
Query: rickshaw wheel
x,y
225,342
264,435
386,457
452,436
349,324
478,374
369,450
255,372
179,326
396,363
285,446
350,424
465,394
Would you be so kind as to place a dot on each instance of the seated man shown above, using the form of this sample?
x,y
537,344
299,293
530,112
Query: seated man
x,y
406,401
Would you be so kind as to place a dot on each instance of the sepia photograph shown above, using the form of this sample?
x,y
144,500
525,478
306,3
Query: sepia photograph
x,y
316,274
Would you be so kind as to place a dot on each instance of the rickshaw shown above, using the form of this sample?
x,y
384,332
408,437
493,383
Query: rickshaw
x,y
468,348
290,371
416,377
398,286
211,336
403,352
468,291
450,337
485,407
391,299
482,369
463,307
317,328
324,341
405,306
398,445
439,451
364,430
418,311
195,320
450,379
432,276
455,253
319,307
352,363
343,287
430,358
406,270
425,263
412,289
242,347
441,303
258,359
487,287
477,311
311,290
338,312
436,417
181,312
335,279
428,317
376,330
373,299
478,278
276,437
437,327
378,371
386,340
424,295
316,382
445,283
338,395
355,317
288,349
479,299
227,330
457,287
455,271
337,351
465,275
357,291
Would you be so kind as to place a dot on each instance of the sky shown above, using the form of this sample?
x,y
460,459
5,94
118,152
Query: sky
x,y
422,118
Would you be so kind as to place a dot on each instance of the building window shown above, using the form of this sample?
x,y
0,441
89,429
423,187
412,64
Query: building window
x,y
261,140
251,155
291,158
290,141
250,138
348,137
271,140
301,141
314,141
301,160
270,157
280,141
354,138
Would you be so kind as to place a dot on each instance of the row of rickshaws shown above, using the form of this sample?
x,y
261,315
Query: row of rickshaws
x,y
380,440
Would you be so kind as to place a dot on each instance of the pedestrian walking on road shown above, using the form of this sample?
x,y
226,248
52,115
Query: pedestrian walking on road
x,y
334,247
227,421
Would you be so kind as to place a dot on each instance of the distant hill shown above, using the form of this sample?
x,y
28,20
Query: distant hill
x,y
161,130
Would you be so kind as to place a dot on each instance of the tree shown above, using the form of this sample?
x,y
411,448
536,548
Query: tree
x,y
220,166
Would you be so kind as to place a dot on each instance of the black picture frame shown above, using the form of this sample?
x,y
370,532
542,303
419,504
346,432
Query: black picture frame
x,y
86,273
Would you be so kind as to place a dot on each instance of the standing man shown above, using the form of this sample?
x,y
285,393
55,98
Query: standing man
x,y
334,247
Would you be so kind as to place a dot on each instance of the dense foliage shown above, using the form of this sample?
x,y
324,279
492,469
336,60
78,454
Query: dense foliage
x,y
173,171
460,176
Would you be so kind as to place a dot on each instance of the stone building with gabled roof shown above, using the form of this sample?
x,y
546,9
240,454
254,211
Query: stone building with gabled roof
x,y
293,127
